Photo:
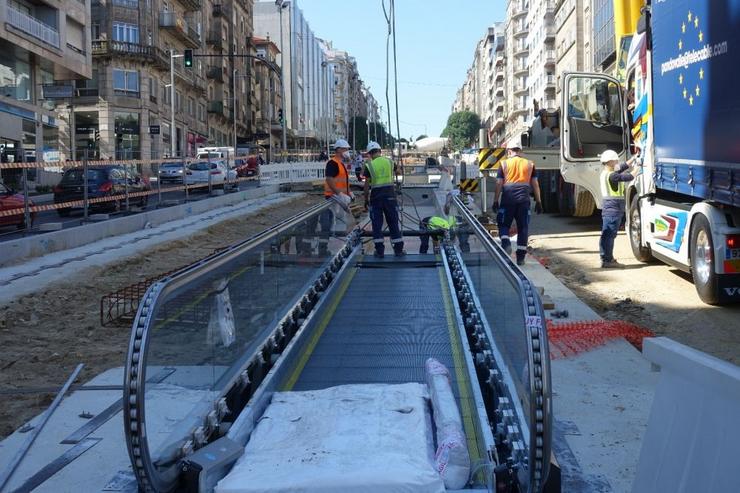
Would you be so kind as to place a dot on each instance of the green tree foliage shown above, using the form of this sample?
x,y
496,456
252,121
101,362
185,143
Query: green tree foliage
x,y
462,129
377,131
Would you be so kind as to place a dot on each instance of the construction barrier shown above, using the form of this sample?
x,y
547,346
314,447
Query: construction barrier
x,y
490,157
469,185
281,173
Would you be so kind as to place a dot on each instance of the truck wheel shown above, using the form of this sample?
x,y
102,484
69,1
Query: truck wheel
x,y
702,261
566,199
585,204
640,252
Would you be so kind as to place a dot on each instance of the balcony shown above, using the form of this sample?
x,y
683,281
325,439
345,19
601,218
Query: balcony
x,y
32,26
550,57
191,5
519,11
521,48
215,73
550,31
521,29
180,28
500,102
551,104
498,120
215,36
520,90
217,108
550,82
220,10
107,48
499,89
521,68
129,4
500,75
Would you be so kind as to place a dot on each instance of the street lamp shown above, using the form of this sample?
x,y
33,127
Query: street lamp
x,y
281,4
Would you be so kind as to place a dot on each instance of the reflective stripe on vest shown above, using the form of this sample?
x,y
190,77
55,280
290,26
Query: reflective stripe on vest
x,y
607,192
381,172
517,170
341,181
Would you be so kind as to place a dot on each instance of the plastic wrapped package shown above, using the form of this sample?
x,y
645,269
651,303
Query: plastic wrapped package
x,y
452,458
359,438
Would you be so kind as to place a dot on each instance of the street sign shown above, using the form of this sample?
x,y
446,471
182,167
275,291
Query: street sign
x,y
52,91
154,129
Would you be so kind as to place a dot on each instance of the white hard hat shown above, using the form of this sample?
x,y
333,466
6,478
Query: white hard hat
x,y
609,155
514,143
341,143
373,146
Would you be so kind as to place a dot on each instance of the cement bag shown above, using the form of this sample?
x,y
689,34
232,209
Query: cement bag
x,y
221,325
451,459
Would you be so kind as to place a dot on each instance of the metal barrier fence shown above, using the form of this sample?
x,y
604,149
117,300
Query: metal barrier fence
x,y
129,183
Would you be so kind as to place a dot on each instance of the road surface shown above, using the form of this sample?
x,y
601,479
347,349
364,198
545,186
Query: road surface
x,y
654,295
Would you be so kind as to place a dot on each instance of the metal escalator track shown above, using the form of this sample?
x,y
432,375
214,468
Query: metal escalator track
x,y
308,310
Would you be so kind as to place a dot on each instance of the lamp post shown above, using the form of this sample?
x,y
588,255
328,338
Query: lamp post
x,y
173,133
281,4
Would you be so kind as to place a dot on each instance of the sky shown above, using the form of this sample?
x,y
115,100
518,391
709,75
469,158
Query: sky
x,y
435,45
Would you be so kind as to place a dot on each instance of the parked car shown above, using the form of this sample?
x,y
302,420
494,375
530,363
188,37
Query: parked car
x,y
171,172
10,200
247,167
102,181
200,172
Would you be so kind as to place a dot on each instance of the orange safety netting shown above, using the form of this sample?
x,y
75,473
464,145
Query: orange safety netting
x,y
568,339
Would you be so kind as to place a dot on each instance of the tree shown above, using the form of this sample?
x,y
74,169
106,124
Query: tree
x,y
462,129
377,131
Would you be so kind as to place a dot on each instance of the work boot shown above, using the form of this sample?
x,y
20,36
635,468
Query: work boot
x,y
400,253
378,254
611,264
507,248
520,261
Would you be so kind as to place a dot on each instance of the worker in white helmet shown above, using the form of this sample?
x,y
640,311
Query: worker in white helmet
x,y
516,181
380,199
613,178
336,187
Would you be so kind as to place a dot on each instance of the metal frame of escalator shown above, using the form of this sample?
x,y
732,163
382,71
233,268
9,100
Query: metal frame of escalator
x,y
134,383
540,409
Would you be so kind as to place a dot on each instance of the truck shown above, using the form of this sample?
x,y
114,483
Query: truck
x,y
678,105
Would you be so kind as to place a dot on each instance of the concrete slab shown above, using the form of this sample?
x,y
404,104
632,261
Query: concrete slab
x,y
50,227
33,274
99,217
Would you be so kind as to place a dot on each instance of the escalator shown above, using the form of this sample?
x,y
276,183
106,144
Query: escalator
x,y
300,308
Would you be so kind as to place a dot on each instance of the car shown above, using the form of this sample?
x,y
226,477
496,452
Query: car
x,y
171,172
102,181
10,200
247,167
201,172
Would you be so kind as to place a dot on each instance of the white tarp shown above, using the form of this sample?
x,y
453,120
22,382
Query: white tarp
x,y
358,438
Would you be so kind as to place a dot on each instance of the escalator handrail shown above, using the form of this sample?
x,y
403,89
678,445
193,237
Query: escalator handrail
x,y
539,358
134,382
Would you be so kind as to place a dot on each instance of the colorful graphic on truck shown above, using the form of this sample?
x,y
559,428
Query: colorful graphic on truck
x,y
669,229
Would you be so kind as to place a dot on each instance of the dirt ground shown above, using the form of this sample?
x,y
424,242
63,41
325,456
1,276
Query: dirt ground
x,y
45,335
654,295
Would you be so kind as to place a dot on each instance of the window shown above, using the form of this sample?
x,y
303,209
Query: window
x,y
191,106
153,89
87,87
95,31
126,82
128,33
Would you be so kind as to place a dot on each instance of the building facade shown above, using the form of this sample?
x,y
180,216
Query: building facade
x,y
42,42
519,109
541,79
268,96
129,110
605,45
572,40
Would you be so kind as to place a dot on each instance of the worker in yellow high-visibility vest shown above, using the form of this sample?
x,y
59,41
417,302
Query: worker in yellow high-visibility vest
x,y
380,197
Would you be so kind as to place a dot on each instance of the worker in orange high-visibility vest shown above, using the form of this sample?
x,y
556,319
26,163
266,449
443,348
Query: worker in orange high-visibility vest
x,y
517,179
336,186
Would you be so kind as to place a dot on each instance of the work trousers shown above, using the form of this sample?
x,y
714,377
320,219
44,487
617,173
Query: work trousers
x,y
507,214
426,232
385,206
609,228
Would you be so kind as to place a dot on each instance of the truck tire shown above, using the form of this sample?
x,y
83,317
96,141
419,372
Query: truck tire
x,y
566,197
641,253
702,261
585,204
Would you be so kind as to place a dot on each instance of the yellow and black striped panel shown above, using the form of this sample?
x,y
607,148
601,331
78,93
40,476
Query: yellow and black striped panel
x,y
469,185
489,157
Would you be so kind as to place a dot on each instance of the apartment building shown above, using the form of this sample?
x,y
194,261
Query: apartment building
x,y
605,43
307,74
573,39
519,109
541,80
268,96
128,110
41,42
347,83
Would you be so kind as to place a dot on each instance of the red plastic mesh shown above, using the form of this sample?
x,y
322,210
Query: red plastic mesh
x,y
568,339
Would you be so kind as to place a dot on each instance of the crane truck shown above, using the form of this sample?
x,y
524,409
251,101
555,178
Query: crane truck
x,y
679,106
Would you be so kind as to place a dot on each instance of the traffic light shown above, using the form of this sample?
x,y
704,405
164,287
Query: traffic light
x,y
188,58
280,116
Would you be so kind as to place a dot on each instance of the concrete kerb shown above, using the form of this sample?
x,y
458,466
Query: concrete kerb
x,y
36,246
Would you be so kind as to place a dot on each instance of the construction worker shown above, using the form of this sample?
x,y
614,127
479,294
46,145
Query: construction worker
x,y
336,187
382,202
517,179
432,226
613,178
